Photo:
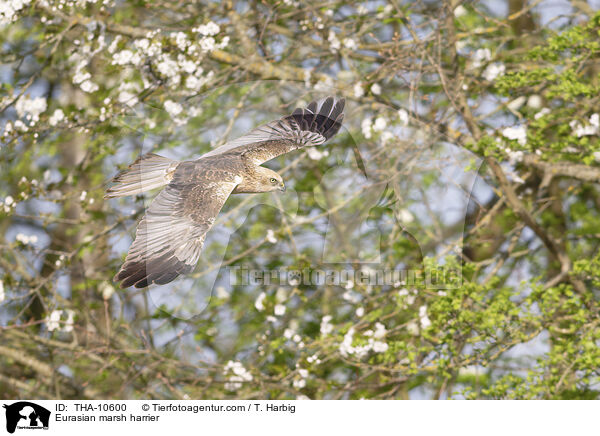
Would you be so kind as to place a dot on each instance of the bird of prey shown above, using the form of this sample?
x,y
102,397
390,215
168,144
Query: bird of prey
x,y
170,236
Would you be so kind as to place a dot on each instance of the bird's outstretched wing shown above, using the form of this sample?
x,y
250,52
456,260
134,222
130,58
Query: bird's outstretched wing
x,y
312,125
170,237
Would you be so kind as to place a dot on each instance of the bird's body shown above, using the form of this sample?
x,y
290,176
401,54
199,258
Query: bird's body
x,y
170,237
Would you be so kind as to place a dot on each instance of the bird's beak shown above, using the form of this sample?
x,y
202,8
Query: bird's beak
x,y
282,187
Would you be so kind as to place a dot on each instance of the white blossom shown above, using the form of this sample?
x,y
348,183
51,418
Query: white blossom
x,y
380,331
403,115
324,84
167,66
346,348
404,216
155,49
379,124
534,101
113,45
516,132
360,311
593,128
313,359
30,108
459,11
315,154
279,310
59,261
2,294
351,297
237,374
334,42
193,82
208,43
271,236
68,327
380,347
259,303
516,104
9,10
207,29
25,239
173,108
480,56
106,290
194,111
89,86
350,44
365,127
8,127
128,98
141,44
125,57
222,292
187,66
299,383
359,91
326,326
224,43
376,89
19,125
543,112
514,156
182,41
425,322
461,44
281,295
80,76
386,136
56,117
387,9
493,71
288,333
579,130
346,345
412,328
410,296
53,321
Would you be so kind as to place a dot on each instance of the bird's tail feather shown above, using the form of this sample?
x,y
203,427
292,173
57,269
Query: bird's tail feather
x,y
324,116
149,171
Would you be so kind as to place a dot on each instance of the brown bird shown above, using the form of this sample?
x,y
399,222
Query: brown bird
x,y
170,236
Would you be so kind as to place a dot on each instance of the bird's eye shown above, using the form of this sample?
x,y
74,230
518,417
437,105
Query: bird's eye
x,y
273,180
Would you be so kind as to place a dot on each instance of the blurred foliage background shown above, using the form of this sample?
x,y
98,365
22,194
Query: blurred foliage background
x,y
470,146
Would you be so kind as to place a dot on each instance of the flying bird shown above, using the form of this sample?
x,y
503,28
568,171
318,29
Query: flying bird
x,y
170,236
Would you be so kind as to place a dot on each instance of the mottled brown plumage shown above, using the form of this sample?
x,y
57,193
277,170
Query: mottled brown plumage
x,y
169,238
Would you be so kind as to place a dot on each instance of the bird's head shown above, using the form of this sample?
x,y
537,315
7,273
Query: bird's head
x,y
270,181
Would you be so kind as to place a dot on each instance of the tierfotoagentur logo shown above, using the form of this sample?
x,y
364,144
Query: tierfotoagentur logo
x,y
367,275
24,415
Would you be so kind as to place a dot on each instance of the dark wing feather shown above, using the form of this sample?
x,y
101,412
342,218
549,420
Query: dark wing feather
x,y
169,238
312,125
